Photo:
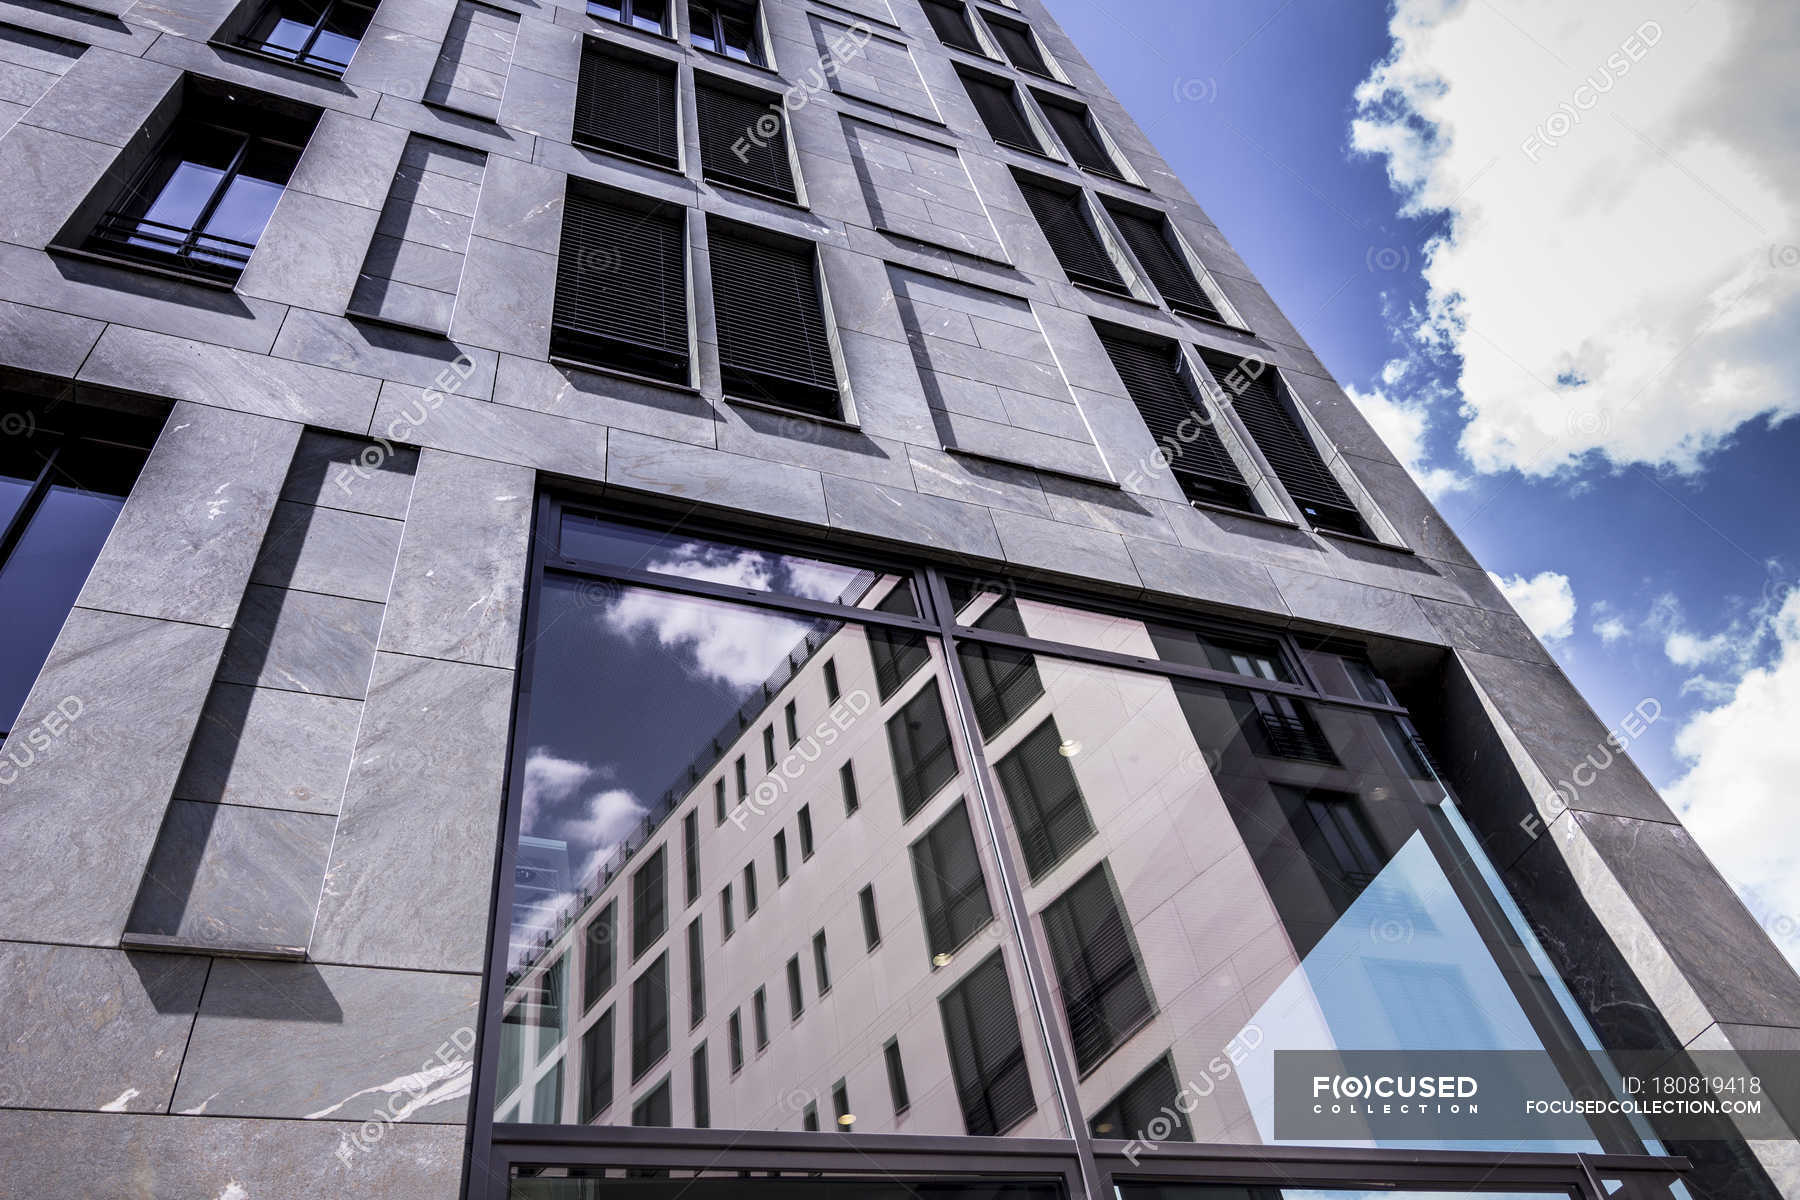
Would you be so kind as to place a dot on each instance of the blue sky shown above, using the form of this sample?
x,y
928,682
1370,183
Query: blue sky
x,y
1610,304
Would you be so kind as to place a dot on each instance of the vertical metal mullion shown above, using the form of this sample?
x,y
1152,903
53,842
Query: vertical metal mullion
x,y
1062,1071
196,230
306,47
21,521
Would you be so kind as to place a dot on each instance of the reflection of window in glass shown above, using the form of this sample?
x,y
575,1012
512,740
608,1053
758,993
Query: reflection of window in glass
x,y
847,779
781,862
759,1018
832,691
809,1117
897,653
791,718
597,1067
1002,682
649,903
734,1034
1048,811
702,1092
597,955
512,1050
1104,994
649,1018
871,926
768,739
1256,656
727,27
546,1097
321,34
656,1108
1408,746
1282,727
821,963
919,739
840,1105
727,919
987,1057
896,1074
742,770
1337,838
1149,1097
719,805
796,1000
749,890
804,820
953,895
690,854
696,967
550,1008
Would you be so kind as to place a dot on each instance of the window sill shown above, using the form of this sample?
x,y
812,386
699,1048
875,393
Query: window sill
x,y
336,77
576,364
1211,322
391,323
625,156
123,263
771,72
1040,155
1114,294
172,944
1359,540
1260,518
738,189
797,413
452,110
1112,177
1099,481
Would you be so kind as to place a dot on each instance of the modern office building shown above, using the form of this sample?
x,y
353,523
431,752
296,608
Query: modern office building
x,y
675,598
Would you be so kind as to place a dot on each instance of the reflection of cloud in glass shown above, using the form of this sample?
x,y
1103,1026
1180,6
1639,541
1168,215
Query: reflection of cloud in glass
x,y
549,779
541,921
789,575
594,825
737,646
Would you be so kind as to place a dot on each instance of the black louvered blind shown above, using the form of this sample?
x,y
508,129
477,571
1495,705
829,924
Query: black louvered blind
x,y
951,23
1078,136
952,891
1097,970
743,140
1150,239
1251,386
1003,682
1048,809
1145,1099
625,104
1000,112
1066,222
1020,48
919,741
987,1056
1179,422
621,287
773,343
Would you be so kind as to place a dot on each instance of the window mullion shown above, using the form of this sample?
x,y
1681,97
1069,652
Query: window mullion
x,y
211,206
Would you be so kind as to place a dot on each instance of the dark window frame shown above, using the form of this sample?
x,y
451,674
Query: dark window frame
x,y
302,55
757,52
628,16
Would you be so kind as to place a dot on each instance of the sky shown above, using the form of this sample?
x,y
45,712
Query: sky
x,y
1552,250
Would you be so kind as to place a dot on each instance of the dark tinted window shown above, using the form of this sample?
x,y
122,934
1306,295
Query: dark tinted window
x,y
1069,228
650,1018
702,1090
919,739
1001,112
952,891
625,105
690,855
1018,44
652,15
1149,1097
597,952
656,1108
1048,810
1156,379
597,1067
896,1073
1080,137
1097,971
865,900
649,903
621,287
696,968
1153,242
987,1057
1003,682
774,344
743,139
727,27
321,34
950,21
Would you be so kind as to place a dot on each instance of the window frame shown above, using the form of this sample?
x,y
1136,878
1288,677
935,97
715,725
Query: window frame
x,y
246,40
762,54
627,18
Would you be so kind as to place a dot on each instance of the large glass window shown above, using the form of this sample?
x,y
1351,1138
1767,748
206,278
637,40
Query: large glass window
x,y
321,34
729,27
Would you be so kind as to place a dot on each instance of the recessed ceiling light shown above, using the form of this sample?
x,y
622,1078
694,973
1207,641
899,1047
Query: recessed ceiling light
x,y
940,960
1069,748
847,1120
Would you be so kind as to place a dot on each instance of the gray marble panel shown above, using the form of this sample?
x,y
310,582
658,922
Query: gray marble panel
x,y
309,253
349,159
459,587
1090,554
977,481
90,1028
142,361
506,298
105,97
267,748
496,431
603,399
326,1042
1344,603
328,550
964,531
84,809
180,1157
780,437
411,869
38,339
225,875
1487,630
707,476
43,176
1177,571
522,205
184,544
333,471
302,642
325,340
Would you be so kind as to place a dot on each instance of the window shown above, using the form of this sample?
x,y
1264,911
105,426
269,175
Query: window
x,y
791,718
734,1034
1081,137
759,1016
310,33
774,340
953,896
781,862
597,1067
840,1105
60,491
727,919
1001,112
625,105
690,854
821,963
896,1074
950,21
809,1117
696,971
550,1016
1048,811
728,27
719,802
750,900
1251,387
546,1097
1069,227
1020,45
1282,727
806,832
1152,239
1155,376
597,955
1003,682
702,1092
796,1000
621,287
1145,1099
650,1018
743,138
865,900
652,15
1102,983
847,779
742,769
1337,840
897,654
649,904
768,740
199,205
919,739
656,1108
831,682
987,1057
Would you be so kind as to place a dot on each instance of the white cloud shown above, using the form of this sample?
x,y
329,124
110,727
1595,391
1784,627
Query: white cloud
x,y
549,780
1632,292
1737,796
1545,602
1403,424
1611,629
731,643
